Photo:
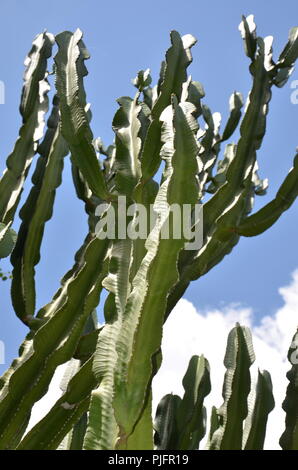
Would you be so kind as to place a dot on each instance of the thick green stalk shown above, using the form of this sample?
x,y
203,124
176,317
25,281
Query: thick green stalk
x,y
238,359
34,214
142,313
173,76
70,70
180,423
34,105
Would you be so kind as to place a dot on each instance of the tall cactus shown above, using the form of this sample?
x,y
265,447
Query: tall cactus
x,y
160,158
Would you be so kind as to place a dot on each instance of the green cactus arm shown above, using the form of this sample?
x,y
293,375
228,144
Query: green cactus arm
x,y
51,430
222,240
83,192
252,130
255,425
238,359
173,75
48,310
73,439
165,423
156,273
82,189
36,211
193,92
61,325
146,196
191,412
144,424
173,79
142,80
127,166
178,58
289,54
102,432
287,58
247,29
80,185
210,255
78,433
240,167
133,369
180,423
129,129
126,125
214,425
8,239
150,95
242,159
208,147
150,158
181,173
220,178
70,70
102,429
236,104
33,107
289,438
216,247
210,136
257,223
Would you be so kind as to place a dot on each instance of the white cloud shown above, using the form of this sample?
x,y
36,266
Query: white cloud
x,y
42,407
188,332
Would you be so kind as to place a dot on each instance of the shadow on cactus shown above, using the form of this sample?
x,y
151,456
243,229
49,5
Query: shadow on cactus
x,y
160,158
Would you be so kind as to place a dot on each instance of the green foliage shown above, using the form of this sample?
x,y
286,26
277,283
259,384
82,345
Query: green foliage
x,y
162,157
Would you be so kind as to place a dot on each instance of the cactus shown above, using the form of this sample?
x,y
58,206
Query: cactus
x,y
181,423
289,439
239,424
160,158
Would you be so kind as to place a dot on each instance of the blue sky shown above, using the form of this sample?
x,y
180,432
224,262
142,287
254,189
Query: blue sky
x,y
124,37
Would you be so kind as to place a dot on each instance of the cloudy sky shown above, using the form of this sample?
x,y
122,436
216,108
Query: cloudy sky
x,y
124,37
